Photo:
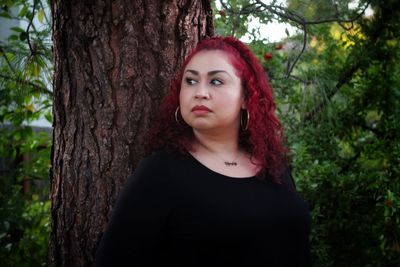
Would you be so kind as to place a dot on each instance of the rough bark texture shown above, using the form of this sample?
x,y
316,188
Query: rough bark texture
x,y
113,64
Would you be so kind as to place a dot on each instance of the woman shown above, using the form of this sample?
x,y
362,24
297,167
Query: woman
x,y
215,190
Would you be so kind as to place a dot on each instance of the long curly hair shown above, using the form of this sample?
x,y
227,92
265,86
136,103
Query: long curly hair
x,y
263,139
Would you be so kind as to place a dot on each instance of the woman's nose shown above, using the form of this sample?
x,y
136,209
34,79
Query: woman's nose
x,y
202,92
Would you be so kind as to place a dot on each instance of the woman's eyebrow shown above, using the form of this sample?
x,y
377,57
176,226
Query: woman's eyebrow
x,y
216,71
210,73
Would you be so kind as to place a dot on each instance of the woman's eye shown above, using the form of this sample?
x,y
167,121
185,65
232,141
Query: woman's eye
x,y
216,82
190,81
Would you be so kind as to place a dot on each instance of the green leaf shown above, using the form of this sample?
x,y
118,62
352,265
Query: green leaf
x,y
49,117
5,15
17,29
41,16
10,56
23,11
13,37
36,69
2,235
6,225
23,36
17,136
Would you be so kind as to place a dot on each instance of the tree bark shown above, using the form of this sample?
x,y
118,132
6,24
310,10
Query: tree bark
x,y
113,64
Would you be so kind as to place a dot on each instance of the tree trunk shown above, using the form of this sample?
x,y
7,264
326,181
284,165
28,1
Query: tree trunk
x,y
113,64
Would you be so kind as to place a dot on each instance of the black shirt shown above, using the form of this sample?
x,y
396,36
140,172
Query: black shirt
x,y
174,211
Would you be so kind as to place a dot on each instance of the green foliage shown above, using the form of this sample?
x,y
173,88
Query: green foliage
x,y
25,76
341,111
231,23
24,231
24,212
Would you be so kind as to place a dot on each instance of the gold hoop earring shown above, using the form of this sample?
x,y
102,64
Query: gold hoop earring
x,y
176,116
244,125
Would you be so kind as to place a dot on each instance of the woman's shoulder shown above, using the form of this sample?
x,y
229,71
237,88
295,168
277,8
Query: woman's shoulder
x,y
163,156
160,161
153,169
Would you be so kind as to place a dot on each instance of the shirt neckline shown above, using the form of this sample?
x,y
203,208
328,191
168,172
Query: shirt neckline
x,y
197,162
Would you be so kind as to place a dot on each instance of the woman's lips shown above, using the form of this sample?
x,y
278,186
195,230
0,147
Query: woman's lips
x,y
200,110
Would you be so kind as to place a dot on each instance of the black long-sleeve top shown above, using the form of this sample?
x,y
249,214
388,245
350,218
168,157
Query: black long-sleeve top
x,y
174,211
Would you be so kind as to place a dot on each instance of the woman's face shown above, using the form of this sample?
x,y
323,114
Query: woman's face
x,y
211,95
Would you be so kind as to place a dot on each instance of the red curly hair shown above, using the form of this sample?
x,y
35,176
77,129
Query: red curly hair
x,y
263,139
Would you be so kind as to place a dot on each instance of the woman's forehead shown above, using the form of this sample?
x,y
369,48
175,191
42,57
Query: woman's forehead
x,y
207,60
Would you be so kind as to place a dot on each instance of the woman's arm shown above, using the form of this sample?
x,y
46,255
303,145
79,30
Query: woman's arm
x,y
134,232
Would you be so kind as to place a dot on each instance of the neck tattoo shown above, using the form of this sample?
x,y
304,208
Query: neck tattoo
x,y
230,163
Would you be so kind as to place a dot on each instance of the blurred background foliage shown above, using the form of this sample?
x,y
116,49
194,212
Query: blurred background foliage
x,y
340,105
336,81
25,97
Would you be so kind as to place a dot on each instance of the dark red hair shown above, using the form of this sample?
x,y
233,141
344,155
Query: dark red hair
x,y
263,139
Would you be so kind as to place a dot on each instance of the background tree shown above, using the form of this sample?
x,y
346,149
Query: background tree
x,y
113,64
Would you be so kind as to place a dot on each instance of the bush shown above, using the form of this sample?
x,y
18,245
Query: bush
x,y
24,231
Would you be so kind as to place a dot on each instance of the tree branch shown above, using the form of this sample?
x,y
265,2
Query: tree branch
x,y
339,20
300,79
292,16
31,48
290,70
344,78
289,15
8,62
246,10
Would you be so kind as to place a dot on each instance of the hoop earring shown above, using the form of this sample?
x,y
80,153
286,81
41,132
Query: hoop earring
x,y
244,125
176,116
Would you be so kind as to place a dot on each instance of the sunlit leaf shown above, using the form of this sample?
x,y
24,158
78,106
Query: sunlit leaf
x,y
41,15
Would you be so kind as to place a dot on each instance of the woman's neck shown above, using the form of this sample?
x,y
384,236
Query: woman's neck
x,y
222,144
222,154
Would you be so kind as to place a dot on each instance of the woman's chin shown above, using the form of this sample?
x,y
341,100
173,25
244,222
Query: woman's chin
x,y
201,126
